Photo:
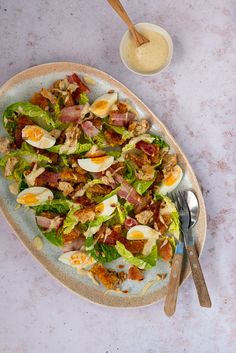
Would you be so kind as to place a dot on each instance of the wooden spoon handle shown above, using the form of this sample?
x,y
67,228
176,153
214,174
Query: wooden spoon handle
x,y
173,286
200,284
117,6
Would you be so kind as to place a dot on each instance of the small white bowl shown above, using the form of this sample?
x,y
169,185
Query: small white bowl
x,y
155,28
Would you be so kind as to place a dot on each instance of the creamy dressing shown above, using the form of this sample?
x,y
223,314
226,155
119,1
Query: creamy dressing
x,y
149,57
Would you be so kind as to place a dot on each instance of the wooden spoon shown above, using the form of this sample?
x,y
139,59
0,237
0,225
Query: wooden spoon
x,y
118,7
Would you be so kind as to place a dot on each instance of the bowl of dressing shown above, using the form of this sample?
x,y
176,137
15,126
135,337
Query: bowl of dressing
x,y
150,58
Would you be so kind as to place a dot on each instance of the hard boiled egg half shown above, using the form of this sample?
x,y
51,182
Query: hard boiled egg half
x,y
107,207
103,105
34,196
78,259
142,232
37,137
96,164
171,181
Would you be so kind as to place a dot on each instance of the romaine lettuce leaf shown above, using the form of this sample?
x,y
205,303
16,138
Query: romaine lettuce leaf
x,y
122,213
71,220
142,262
83,98
169,207
56,206
36,114
101,252
160,141
130,172
80,148
121,131
112,193
54,237
100,220
141,185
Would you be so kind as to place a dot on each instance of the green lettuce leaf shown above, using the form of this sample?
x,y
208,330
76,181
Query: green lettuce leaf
x,y
160,141
100,220
54,237
115,154
83,98
121,131
122,213
101,252
130,172
34,112
142,262
71,220
112,193
141,185
151,258
80,148
56,206
169,207
128,207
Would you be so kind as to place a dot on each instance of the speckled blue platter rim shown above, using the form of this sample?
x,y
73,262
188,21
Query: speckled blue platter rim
x,y
91,293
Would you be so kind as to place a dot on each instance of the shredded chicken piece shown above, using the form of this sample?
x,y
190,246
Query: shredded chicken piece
x,y
65,187
39,100
48,95
10,165
144,217
95,152
139,127
70,237
85,215
169,161
99,189
147,172
72,135
55,133
4,144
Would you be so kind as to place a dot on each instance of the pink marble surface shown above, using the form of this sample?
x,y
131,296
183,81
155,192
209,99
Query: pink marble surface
x,y
195,98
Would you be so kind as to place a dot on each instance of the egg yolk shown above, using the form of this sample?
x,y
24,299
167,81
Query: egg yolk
x,y
100,106
33,133
99,160
78,259
136,235
173,177
99,208
170,180
28,199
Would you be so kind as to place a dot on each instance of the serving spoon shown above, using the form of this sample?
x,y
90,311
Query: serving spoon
x,y
138,37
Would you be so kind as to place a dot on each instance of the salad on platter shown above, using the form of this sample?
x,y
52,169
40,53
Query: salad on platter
x,y
95,177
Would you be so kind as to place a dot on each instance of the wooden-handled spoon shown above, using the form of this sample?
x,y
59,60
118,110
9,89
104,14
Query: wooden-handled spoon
x,y
118,7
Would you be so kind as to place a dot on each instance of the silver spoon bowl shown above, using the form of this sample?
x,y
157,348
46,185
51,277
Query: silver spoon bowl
x,y
193,206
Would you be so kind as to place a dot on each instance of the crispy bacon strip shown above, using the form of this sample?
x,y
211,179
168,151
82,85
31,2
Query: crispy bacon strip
x,y
126,191
89,129
121,119
71,114
147,148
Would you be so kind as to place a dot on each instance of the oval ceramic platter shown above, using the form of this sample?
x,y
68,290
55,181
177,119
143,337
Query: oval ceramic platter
x,y
146,292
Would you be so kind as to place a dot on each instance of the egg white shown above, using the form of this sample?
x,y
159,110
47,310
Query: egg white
x,y
42,142
166,187
97,164
103,105
34,196
107,207
141,232
77,259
